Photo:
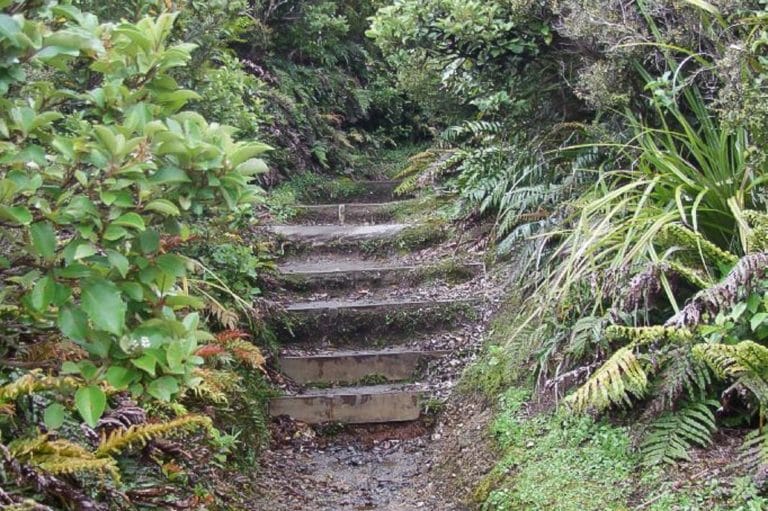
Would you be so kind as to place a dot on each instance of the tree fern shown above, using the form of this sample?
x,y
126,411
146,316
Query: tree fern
x,y
616,382
672,435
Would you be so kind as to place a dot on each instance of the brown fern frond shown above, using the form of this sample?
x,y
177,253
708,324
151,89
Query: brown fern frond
x,y
122,439
736,285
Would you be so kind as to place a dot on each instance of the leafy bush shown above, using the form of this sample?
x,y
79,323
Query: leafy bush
x,y
102,175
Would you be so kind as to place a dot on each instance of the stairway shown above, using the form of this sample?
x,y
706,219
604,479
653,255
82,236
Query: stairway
x,y
356,330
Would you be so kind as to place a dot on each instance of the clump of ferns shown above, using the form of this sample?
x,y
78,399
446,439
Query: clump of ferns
x,y
668,368
423,169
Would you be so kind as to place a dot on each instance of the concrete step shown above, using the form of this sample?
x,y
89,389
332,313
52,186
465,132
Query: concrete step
x,y
363,322
348,213
379,238
344,274
351,405
354,366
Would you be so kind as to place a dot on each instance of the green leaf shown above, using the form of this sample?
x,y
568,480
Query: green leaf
x,y
104,305
252,167
163,388
54,416
164,207
119,262
246,151
757,320
132,220
115,232
149,242
43,239
146,363
90,402
172,265
121,377
83,251
16,214
176,353
43,293
88,369
69,367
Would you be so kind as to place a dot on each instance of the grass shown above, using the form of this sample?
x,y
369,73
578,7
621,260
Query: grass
x,y
554,462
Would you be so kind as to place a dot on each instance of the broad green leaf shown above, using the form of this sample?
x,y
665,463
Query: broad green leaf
x,y
163,388
164,207
172,265
252,167
757,320
102,301
90,402
83,251
146,363
43,239
119,262
131,220
246,151
149,242
69,367
54,416
73,323
43,293
88,369
121,377
115,232
16,214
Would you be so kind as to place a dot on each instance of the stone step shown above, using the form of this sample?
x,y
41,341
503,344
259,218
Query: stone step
x,y
351,405
344,274
348,213
379,238
363,322
354,366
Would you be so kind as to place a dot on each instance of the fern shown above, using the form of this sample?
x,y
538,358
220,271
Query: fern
x,y
36,381
754,451
673,434
680,375
745,362
140,434
61,457
616,382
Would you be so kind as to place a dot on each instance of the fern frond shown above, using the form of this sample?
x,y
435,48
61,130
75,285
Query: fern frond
x,y
616,382
673,434
754,451
36,381
61,457
677,235
680,375
745,362
215,384
140,434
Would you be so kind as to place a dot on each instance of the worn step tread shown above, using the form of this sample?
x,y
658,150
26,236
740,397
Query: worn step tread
x,y
335,233
352,405
349,366
349,212
331,305
359,266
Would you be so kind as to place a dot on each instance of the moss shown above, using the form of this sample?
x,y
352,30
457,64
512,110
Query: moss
x,y
412,238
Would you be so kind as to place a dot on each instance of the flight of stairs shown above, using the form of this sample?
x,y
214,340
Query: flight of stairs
x,y
353,346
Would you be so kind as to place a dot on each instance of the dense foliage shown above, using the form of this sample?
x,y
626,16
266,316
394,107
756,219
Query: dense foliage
x,y
618,145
